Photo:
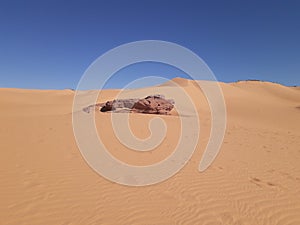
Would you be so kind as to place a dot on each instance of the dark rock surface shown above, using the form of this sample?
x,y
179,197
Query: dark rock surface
x,y
119,104
152,104
155,104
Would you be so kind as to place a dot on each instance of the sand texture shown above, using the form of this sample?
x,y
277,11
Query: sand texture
x,y
255,179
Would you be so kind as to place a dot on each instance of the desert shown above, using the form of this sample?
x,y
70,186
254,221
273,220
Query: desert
x,y
254,179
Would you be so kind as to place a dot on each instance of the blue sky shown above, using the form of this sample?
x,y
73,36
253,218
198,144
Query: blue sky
x,y
49,44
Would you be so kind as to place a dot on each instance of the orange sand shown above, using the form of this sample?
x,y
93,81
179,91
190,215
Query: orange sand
x,y
255,179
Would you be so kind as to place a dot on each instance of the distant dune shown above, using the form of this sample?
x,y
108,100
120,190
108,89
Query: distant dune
x,y
255,178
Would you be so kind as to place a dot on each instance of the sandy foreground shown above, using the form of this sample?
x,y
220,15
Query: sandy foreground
x,y
255,178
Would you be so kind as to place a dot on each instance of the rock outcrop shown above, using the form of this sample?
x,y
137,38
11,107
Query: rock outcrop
x,y
119,104
153,104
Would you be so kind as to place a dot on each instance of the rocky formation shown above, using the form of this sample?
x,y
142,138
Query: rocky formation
x,y
153,104
119,104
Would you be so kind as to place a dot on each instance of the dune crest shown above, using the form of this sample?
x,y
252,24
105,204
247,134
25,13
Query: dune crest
x,y
253,180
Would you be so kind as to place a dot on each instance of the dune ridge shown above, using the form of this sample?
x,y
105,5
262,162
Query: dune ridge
x,y
254,179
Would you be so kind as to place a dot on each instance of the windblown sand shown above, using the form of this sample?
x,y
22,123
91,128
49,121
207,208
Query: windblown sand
x,y
255,178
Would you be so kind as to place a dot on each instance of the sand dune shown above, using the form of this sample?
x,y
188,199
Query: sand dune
x,y
255,178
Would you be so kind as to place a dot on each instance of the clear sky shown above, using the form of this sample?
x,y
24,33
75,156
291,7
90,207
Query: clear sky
x,y
49,44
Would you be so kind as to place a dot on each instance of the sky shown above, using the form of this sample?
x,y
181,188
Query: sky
x,y
50,44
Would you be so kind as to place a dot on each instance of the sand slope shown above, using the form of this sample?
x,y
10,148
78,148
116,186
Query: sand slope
x,y
254,180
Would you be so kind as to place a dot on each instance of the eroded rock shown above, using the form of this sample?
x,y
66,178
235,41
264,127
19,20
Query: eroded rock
x,y
152,104
155,104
